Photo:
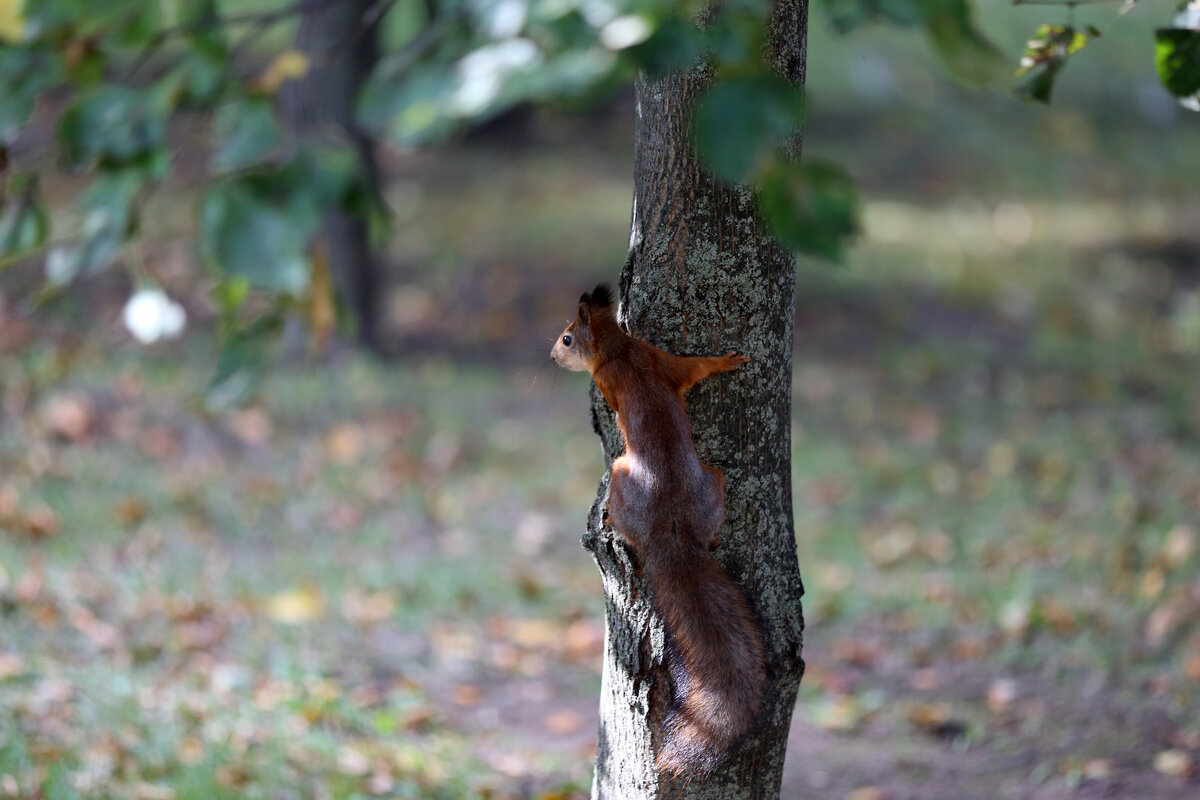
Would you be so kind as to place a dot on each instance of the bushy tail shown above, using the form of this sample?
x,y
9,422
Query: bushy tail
x,y
715,657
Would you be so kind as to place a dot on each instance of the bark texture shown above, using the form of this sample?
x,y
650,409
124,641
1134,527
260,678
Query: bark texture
x,y
341,42
702,277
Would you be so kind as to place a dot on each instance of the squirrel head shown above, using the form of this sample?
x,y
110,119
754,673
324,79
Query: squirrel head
x,y
576,348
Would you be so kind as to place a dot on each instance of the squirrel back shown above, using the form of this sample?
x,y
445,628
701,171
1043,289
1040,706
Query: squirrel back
x,y
669,507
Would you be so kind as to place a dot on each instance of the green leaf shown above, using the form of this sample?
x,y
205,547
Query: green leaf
x,y
247,133
1177,57
130,23
245,232
114,126
108,220
240,366
846,15
950,25
741,122
229,295
258,226
25,72
674,46
737,34
25,221
810,208
1046,54
970,56
413,112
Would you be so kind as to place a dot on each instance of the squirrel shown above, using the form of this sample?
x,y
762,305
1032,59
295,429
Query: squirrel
x,y
669,507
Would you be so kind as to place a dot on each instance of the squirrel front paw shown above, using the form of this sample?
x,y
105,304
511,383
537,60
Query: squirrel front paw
x,y
736,359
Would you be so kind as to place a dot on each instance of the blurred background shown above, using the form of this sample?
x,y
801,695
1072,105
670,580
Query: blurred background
x,y
366,579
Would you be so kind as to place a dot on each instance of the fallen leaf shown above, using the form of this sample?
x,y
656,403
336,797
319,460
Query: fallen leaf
x,y
857,652
1014,616
345,443
893,547
100,633
1002,459
1179,545
40,521
924,426
191,751
29,585
381,781
1153,583
367,608
925,679
466,694
585,639
233,777
1176,763
11,666
1191,666
10,498
420,718
160,443
252,426
838,713
937,719
1001,695
153,791
352,761
536,633
563,722
131,510
68,415
296,606
927,715
867,793
1161,621
938,546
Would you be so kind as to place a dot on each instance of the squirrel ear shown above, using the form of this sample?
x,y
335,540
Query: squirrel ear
x,y
585,314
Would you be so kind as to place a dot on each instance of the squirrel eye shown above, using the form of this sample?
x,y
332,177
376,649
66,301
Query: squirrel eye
x,y
567,340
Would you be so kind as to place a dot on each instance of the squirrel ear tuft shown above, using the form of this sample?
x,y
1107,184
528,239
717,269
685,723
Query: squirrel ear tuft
x,y
585,314
602,296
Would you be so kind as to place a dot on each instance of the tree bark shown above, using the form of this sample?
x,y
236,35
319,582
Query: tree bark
x,y
340,40
703,277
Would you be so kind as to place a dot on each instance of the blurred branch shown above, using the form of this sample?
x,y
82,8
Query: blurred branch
x,y
369,20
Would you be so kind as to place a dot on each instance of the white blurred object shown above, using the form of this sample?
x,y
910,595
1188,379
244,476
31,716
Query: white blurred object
x,y
150,315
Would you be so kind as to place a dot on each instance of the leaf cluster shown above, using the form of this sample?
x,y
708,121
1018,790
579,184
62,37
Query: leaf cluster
x,y
131,71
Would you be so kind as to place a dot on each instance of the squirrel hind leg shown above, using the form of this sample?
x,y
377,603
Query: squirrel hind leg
x,y
707,516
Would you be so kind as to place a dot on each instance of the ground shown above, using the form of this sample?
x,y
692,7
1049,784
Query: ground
x,y
368,581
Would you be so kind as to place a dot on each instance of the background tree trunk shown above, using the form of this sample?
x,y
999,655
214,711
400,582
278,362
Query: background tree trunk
x,y
341,42
702,277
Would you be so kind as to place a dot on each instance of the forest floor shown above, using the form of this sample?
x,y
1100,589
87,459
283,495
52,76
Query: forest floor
x,y
368,582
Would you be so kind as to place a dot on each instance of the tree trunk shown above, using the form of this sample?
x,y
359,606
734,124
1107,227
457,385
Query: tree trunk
x,y
702,277
341,42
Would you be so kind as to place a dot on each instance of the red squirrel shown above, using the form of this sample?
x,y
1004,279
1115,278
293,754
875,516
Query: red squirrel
x,y
669,507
